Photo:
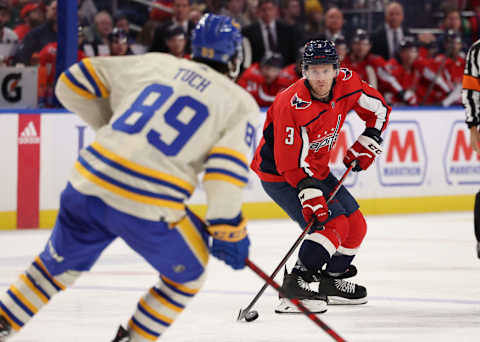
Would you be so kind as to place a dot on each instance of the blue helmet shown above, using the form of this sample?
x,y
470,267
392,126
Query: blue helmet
x,y
217,38
320,52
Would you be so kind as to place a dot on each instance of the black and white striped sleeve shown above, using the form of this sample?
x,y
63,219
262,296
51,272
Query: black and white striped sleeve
x,y
471,86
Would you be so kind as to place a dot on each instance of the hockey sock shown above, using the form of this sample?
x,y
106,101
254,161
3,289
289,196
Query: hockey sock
x,y
157,310
339,263
476,216
312,256
31,292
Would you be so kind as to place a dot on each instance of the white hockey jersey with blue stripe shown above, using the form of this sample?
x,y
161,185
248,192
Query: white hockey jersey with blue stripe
x,y
160,121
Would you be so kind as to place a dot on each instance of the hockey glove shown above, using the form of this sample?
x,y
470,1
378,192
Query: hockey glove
x,y
364,151
230,241
313,203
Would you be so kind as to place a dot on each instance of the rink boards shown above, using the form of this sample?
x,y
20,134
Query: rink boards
x,y
427,165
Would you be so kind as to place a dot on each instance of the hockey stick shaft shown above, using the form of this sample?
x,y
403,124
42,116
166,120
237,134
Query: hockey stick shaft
x,y
297,303
292,249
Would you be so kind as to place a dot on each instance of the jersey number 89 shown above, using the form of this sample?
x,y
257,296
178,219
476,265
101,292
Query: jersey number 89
x,y
141,111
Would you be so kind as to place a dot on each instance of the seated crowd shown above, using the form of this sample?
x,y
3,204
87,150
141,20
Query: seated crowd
x,y
418,64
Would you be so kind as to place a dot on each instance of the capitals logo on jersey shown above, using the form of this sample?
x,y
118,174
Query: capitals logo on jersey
x,y
327,140
298,103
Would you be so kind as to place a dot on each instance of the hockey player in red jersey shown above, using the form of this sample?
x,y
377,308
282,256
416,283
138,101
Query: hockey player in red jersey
x,y
300,130
262,79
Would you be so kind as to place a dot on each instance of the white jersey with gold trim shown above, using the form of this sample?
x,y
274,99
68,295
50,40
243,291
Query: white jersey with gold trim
x,y
159,122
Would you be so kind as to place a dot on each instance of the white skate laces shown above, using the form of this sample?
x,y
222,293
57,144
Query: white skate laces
x,y
344,286
304,285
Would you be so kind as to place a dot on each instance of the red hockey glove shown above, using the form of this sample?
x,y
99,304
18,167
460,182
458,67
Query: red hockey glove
x,y
364,150
313,204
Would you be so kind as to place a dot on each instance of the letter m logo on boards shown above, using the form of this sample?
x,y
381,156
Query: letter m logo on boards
x,y
404,159
461,162
345,139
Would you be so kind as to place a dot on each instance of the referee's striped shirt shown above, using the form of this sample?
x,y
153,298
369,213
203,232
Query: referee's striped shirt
x,y
471,85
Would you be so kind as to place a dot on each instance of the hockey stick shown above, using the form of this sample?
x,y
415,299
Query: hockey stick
x,y
296,302
243,313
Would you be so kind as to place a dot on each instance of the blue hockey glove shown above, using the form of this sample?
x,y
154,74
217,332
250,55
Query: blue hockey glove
x,y
230,241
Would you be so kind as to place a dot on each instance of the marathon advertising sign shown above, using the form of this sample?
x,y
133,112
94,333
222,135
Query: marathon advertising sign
x,y
404,158
461,162
345,139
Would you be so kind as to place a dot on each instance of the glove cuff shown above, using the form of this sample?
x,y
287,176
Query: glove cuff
x,y
373,133
308,182
229,233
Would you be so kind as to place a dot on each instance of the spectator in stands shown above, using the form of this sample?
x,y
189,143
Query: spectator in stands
x,y
453,61
292,12
236,10
373,68
161,15
314,25
262,81
118,43
121,22
46,70
405,69
342,47
196,12
473,28
333,24
97,34
145,36
269,35
38,37
32,15
451,22
293,72
175,42
181,13
86,12
386,39
8,38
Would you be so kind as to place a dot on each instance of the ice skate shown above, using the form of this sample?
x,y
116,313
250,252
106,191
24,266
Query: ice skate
x,y
478,250
340,291
5,329
294,286
122,335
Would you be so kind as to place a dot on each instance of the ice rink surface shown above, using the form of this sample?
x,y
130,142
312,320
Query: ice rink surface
x,y
421,273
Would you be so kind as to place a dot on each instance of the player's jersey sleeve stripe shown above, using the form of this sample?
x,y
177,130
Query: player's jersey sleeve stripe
x,y
302,162
348,95
376,106
142,330
75,86
225,175
90,74
125,190
229,154
131,168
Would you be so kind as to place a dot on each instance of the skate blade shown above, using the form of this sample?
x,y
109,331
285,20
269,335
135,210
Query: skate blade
x,y
333,300
315,306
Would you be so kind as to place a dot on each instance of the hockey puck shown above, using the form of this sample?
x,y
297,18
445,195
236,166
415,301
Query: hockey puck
x,y
251,316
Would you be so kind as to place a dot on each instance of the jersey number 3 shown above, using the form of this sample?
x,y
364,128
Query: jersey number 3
x,y
150,100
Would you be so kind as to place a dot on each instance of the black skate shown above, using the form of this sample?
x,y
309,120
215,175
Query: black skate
x,y
294,286
478,250
5,329
122,335
340,291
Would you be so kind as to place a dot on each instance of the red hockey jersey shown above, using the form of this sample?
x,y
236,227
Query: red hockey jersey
x,y
253,81
300,131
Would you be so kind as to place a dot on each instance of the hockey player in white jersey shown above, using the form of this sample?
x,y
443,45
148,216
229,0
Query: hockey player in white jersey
x,y
160,121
